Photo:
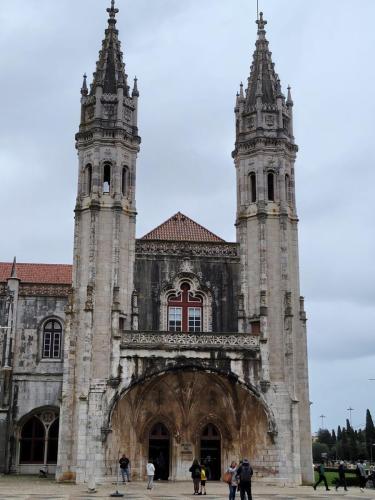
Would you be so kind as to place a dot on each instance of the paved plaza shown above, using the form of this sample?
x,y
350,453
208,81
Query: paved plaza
x,y
23,488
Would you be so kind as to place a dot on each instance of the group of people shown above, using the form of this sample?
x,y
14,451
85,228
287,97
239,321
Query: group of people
x,y
239,477
199,477
360,471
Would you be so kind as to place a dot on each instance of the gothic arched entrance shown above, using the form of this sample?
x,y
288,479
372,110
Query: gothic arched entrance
x,y
159,450
210,447
176,417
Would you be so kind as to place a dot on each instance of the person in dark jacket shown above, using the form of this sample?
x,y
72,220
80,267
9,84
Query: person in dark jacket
x,y
244,475
322,477
342,478
195,470
124,467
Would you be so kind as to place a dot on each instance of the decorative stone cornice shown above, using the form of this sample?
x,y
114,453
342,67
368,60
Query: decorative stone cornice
x,y
44,290
166,340
180,248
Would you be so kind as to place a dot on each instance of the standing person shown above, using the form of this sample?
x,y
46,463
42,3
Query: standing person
x,y
195,470
232,482
150,468
124,467
342,478
362,475
322,477
244,474
203,481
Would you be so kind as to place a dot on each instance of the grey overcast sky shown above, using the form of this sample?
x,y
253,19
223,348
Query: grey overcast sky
x,y
190,56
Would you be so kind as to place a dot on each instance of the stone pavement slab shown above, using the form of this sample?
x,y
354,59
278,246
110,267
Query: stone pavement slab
x,y
32,488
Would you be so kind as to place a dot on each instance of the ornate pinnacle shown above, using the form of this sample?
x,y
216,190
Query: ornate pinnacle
x,y
13,273
84,89
135,92
261,22
112,11
289,100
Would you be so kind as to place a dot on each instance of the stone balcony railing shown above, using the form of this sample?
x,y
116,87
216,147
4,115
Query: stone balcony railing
x,y
186,341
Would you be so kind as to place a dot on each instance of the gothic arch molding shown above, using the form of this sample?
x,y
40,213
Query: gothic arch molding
x,y
160,418
186,366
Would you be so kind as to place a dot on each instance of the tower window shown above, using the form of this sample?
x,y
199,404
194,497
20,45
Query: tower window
x,y
52,333
125,180
107,178
253,187
88,179
271,186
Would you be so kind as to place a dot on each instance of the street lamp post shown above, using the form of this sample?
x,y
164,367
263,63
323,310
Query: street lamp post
x,y
322,417
350,409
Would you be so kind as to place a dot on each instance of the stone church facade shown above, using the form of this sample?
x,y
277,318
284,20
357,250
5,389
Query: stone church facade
x,y
173,346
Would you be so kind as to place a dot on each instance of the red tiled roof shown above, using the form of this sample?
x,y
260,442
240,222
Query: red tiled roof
x,y
181,228
54,274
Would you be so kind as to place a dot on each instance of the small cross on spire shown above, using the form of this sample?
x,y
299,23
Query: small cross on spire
x,y
261,22
112,11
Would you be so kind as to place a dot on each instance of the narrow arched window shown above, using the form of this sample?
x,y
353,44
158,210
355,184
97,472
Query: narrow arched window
x,y
32,443
52,337
124,183
53,440
287,188
271,186
88,179
107,178
253,187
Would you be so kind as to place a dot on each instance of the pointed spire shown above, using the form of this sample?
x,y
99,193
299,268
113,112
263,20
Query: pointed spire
x,y
135,92
110,69
13,273
84,89
263,79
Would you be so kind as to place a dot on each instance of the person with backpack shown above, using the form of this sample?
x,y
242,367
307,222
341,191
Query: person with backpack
x,y
124,467
361,473
195,470
203,481
244,475
322,477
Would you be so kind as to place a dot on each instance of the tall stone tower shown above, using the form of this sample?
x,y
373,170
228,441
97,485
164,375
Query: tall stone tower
x,y
104,255
264,157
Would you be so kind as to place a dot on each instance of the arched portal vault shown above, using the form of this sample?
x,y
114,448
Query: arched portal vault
x,y
185,402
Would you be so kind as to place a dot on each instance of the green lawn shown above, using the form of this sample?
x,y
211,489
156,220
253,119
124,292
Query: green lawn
x,y
332,476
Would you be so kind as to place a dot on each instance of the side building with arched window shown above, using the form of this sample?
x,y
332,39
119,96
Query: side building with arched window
x,y
32,319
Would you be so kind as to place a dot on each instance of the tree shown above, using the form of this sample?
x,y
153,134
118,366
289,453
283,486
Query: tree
x,y
318,449
339,433
324,437
369,432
